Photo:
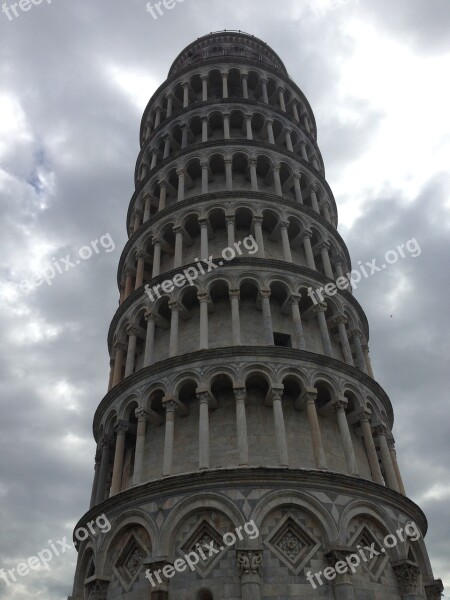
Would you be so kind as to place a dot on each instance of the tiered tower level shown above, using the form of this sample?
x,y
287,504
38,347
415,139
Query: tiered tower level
x,y
239,398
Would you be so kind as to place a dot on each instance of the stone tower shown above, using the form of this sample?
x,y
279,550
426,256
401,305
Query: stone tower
x,y
244,397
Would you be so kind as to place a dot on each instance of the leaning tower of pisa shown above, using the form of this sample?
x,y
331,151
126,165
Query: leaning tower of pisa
x,y
241,397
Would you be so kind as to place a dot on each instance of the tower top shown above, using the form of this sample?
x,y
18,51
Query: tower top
x,y
227,43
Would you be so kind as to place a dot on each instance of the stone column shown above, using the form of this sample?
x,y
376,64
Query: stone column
x,y
205,177
150,317
98,588
249,563
147,209
184,136
280,430
299,336
253,174
338,262
181,184
230,230
204,129
166,147
267,317
204,88
162,195
257,223
178,256
245,86
282,101
241,425
326,211
120,352
156,258
96,478
326,260
185,94
249,126
158,117
342,585
391,445
390,475
289,145
159,591
313,420
154,159
270,134
131,353
229,174
129,287
137,219
369,444
408,578
304,151
320,310
226,126
225,85
308,251
350,458
314,201
169,405
104,464
235,317
264,90
142,415
356,336
203,428
204,300
140,271
285,241
169,105
297,188
204,251
434,590
112,362
295,111
174,321
341,321
306,124
365,348
116,484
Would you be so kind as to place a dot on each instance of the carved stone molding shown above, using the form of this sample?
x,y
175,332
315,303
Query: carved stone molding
x,y
407,574
249,562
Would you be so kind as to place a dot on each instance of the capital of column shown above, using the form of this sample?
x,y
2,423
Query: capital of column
x,y
230,219
310,396
142,414
336,554
257,219
121,429
133,331
181,172
203,397
240,394
177,229
249,562
174,306
234,294
204,165
204,297
276,393
324,246
156,240
276,168
434,590
203,223
321,307
120,346
407,574
284,224
340,404
295,298
169,404
265,293
340,320
150,316
307,234
356,333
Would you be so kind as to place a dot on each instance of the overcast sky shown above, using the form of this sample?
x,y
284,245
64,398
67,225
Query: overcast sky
x,y
75,78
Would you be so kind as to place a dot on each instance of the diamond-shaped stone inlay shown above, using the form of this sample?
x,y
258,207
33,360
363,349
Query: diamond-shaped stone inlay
x,y
292,544
365,539
198,541
130,561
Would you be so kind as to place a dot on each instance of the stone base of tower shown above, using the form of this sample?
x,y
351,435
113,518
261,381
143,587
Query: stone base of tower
x,y
299,523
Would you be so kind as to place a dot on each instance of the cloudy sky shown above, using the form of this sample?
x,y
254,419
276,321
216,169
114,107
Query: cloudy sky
x,y
76,76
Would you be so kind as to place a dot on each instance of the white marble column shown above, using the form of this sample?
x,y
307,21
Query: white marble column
x,y
299,336
309,251
129,283
204,300
169,405
140,271
356,336
205,177
297,188
131,353
287,254
267,316
257,224
304,151
338,262
225,85
103,474
341,321
270,134
118,364
142,416
178,256
229,174
265,95
235,317
226,126
324,248
137,219
204,250
181,184
185,94
289,145
156,257
316,436
282,100
314,200
166,147
364,416
204,88
391,445
230,219
96,479
386,459
241,426
184,136
365,348
169,105
162,195
158,117
320,310
121,432
147,209
280,429
253,174
347,442
204,129
277,180
150,318
248,119
154,159
245,86
203,442
295,111
174,324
